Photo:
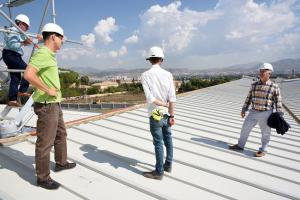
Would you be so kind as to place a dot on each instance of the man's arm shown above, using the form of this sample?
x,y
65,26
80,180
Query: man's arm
x,y
172,100
171,112
150,98
247,102
30,75
160,103
278,100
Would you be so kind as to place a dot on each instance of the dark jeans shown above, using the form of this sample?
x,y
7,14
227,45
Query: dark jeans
x,y
13,60
51,131
161,131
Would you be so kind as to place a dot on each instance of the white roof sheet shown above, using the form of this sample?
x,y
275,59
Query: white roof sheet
x,y
291,93
112,153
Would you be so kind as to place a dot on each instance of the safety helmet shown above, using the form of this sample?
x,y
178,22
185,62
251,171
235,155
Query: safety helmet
x,y
51,27
155,52
267,66
23,18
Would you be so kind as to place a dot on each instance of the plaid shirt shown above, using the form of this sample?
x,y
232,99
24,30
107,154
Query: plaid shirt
x,y
263,97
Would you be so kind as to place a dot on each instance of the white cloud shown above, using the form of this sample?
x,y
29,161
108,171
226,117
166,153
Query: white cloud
x,y
255,21
132,39
234,31
174,26
88,40
105,28
73,54
122,51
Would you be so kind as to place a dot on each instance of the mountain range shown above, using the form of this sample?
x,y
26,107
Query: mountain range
x,y
284,66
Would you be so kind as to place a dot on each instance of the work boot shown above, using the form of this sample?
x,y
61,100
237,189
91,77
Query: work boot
x,y
153,175
235,148
59,167
14,104
49,184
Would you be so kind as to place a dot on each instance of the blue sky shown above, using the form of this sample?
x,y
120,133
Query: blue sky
x,y
193,33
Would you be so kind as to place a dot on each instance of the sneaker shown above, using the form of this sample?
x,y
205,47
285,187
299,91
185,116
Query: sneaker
x,y
48,184
14,104
235,148
153,175
167,168
59,167
24,94
259,154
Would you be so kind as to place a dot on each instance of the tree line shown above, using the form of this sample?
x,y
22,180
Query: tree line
x,y
199,82
69,77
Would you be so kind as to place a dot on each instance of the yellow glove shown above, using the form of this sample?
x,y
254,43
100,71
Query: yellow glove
x,y
157,114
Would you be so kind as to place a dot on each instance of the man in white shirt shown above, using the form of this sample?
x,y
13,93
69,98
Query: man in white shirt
x,y
161,97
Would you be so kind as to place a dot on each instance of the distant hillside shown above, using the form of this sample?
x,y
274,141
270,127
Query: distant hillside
x,y
92,71
287,65
284,66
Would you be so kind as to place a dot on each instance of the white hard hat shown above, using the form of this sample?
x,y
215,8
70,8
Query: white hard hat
x,y
267,66
51,27
155,52
23,18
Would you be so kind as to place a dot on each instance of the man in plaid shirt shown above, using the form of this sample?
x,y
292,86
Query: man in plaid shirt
x,y
263,96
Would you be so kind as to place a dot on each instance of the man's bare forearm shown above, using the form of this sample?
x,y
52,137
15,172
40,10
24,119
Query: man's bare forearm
x,y
172,108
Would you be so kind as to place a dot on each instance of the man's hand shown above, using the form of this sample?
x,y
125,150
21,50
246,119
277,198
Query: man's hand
x,y
171,121
26,42
52,92
242,114
166,105
39,37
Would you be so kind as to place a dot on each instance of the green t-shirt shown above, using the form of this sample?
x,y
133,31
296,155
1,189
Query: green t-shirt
x,y
44,61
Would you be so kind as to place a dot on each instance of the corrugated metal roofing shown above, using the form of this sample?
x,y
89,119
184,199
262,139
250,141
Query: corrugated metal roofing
x,y
291,92
112,153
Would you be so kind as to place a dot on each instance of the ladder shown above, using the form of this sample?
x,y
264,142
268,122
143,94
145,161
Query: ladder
x,y
13,126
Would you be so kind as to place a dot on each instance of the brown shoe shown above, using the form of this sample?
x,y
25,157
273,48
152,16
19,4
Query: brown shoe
x,y
153,175
24,94
260,154
49,184
63,167
235,148
14,104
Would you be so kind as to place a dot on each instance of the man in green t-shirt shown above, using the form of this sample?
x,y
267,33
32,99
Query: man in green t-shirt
x,y
42,74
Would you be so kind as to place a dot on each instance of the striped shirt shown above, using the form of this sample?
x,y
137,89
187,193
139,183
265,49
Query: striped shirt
x,y
263,97
13,41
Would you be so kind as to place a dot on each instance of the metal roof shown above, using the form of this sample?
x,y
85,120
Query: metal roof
x,y
291,92
112,153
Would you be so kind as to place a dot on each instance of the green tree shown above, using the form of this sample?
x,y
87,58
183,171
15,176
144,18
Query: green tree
x,y
92,90
85,80
68,78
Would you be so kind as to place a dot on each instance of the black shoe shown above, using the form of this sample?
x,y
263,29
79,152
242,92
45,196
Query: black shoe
x,y
48,184
236,148
63,167
167,168
153,175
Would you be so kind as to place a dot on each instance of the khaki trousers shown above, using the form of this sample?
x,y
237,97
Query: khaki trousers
x,y
51,131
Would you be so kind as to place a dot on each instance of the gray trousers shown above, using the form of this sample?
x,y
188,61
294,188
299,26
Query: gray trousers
x,y
251,120
51,131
